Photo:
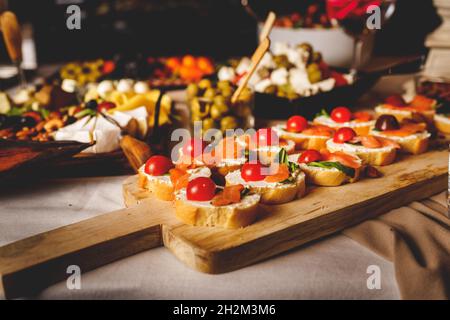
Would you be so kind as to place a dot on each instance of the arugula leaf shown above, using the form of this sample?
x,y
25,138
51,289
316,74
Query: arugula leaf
x,y
283,159
329,165
282,156
322,112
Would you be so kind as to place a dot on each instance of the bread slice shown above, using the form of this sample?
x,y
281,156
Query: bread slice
x,y
328,177
272,193
161,187
302,141
414,144
442,123
400,115
374,157
232,216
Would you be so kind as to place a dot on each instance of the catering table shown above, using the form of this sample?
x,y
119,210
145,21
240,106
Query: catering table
x,y
333,268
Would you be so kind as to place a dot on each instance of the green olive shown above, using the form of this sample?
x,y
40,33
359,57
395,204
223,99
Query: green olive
x,y
292,95
216,112
272,89
313,67
223,84
315,76
209,93
219,100
192,90
281,60
205,84
200,108
208,123
228,122
227,92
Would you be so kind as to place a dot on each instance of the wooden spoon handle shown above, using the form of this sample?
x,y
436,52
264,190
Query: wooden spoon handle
x,y
256,58
29,265
268,25
12,35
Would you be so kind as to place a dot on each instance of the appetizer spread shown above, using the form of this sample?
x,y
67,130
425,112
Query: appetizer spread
x,y
328,169
304,134
376,151
399,108
412,137
340,117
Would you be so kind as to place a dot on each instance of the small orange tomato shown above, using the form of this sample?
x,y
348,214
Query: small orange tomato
x,y
189,61
173,63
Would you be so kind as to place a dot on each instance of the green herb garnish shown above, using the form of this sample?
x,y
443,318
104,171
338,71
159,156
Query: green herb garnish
x,y
322,112
329,165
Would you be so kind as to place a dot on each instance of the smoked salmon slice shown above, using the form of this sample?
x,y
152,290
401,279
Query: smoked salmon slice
x,y
229,195
346,159
319,130
179,178
406,130
281,175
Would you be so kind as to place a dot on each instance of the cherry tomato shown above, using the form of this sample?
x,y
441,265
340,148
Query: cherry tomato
x,y
341,114
310,156
194,147
105,106
343,135
296,124
252,172
201,189
266,137
158,165
33,114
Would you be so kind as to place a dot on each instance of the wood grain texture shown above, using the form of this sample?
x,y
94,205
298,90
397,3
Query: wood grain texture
x,y
33,263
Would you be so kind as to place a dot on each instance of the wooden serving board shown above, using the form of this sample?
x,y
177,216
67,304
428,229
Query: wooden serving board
x,y
33,263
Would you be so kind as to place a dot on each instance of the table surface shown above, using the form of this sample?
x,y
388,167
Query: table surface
x,y
332,268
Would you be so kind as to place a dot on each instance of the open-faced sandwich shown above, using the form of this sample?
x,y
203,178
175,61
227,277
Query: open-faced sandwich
x,y
280,186
163,179
265,144
412,137
399,108
328,169
375,151
340,117
442,123
203,203
305,135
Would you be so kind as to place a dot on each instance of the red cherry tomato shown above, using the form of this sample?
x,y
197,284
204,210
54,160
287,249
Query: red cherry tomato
x,y
343,135
296,124
105,106
201,189
252,172
310,156
194,147
266,137
158,165
341,114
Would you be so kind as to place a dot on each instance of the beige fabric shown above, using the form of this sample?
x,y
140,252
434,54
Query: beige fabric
x,y
417,240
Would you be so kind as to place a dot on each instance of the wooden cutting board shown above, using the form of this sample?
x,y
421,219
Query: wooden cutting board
x,y
31,264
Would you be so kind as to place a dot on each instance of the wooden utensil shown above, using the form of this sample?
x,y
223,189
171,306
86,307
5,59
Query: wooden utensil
x,y
256,59
31,264
268,25
13,39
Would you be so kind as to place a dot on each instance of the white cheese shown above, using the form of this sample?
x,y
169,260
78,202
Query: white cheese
x,y
442,118
194,173
419,135
226,74
350,148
